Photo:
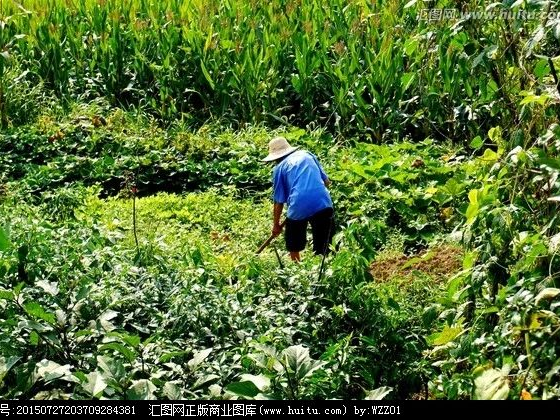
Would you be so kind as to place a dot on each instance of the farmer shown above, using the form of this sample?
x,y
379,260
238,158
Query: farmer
x,y
300,182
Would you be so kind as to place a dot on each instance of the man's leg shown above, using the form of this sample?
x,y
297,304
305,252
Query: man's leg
x,y
322,226
295,232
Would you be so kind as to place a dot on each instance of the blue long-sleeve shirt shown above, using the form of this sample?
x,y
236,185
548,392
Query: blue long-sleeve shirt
x,y
299,181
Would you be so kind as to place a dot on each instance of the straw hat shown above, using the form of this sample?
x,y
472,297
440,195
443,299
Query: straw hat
x,y
278,147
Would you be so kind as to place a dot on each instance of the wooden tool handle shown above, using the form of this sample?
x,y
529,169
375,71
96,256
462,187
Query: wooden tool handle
x,y
269,240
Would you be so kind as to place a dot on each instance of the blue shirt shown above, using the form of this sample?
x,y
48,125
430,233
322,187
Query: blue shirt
x,y
299,181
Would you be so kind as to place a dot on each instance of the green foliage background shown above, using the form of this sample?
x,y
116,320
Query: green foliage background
x,y
132,198
372,68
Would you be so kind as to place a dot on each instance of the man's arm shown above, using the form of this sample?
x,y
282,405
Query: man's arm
x,y
276,213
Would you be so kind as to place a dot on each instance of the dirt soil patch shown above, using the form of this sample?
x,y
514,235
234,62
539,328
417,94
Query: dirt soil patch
x,y
439,262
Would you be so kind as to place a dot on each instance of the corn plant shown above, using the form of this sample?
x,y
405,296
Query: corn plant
x,y
374,68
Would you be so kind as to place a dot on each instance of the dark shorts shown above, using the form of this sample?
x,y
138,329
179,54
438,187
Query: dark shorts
x,y
322,228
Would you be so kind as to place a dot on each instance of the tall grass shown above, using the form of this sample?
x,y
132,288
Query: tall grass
x,y
370,67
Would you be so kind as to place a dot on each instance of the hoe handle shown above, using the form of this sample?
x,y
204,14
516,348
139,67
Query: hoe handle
x,y
269,240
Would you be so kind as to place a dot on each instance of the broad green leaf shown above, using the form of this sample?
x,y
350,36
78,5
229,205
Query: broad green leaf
x,y
244,389
429,316
495,134
268,350
476,143
553,372
214,391
531,98
471,213
502,294
164,358
50,371
478,59
50,287
550,163
172,391
261,382
296,356
81,376
378,393
455,290
489,156
491,51
52,394
6,364
538,250
142,389
112,368
298,360
209,37
491,310
473,196
204,381
491,384
553,243
359,170
536,37
447,335
267,358
95,384
61,317
121,348
517,154
34,309
6,294
206,74
542,68
33,338
4,240
548,294
199,357
406,80
105,318
535,322
132,340
295,134
469,260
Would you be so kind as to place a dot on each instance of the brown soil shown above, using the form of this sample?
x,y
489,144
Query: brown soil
x,y
439,263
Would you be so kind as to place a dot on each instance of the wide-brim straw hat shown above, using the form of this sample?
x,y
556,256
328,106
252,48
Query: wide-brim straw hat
x,y
278,147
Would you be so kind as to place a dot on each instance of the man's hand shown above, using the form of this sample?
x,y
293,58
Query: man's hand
x,y
276,213
276,229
